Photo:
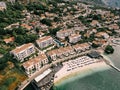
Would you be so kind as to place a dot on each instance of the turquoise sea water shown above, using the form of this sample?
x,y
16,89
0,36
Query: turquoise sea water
x,y
104,80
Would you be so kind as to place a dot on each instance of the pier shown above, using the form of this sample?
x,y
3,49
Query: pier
x,y
111,65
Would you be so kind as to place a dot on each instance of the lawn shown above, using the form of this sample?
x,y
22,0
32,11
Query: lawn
x,y
11,77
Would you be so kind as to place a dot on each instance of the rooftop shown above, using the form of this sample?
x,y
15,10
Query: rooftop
x,y
21,48
43,38
34,60
43,75
2,4
94,54
8,40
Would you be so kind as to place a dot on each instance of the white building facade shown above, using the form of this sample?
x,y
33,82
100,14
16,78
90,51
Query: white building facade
x,y
45,41
21,52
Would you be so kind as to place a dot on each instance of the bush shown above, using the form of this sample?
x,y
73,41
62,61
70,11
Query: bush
x,y
10,80
3,87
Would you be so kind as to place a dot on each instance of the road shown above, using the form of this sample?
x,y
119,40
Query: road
x,y
26,82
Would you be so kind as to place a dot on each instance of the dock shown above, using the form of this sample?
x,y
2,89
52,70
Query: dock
x,y
111,65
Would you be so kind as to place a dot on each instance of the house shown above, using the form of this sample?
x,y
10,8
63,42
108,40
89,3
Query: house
x,y
45,41
74,38
2,6
53,54
100,42
34,64
27,26
68,51
102,34
64,33
9,40
21,52
81,47
77,48
113,26
94,23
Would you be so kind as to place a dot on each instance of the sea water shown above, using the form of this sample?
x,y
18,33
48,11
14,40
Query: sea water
x,y
104,79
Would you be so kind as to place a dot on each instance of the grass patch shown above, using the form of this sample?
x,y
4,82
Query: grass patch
x,y
11,78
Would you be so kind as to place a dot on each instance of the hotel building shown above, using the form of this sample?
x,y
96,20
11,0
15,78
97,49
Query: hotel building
x,y
21,52
34,64
64,33
74,38
45,41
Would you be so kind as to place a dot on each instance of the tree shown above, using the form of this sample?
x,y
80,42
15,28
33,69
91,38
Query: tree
x,y
95,45
109,49
53,31
56,19
20,39
46,21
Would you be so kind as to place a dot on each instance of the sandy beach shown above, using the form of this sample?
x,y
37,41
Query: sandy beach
x,y
66,72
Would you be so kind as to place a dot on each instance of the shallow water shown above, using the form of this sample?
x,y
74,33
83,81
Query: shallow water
x,y
104,80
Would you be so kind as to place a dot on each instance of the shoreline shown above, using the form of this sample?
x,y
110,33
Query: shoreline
x,y
63,75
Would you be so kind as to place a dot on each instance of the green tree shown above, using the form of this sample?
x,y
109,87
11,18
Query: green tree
x,y
46,21
20,39
109,49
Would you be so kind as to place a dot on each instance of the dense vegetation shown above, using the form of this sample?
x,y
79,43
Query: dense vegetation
x,y
11,15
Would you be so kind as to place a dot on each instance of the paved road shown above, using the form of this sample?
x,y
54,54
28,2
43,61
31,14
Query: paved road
x,y
26,82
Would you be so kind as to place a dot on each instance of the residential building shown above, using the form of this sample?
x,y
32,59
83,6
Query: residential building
x,y
68,51
94,23
81,47
102,34
64,33
53,54
61,52
45,41
26,26
21,52
74,38
9,40
2,6
34,64
113,26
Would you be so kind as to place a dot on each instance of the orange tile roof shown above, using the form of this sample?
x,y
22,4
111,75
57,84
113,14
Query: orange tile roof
x,y
26,26
21,48
83,45
74,35
34,60
101,34
43,38
94,22
8,40
52,52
